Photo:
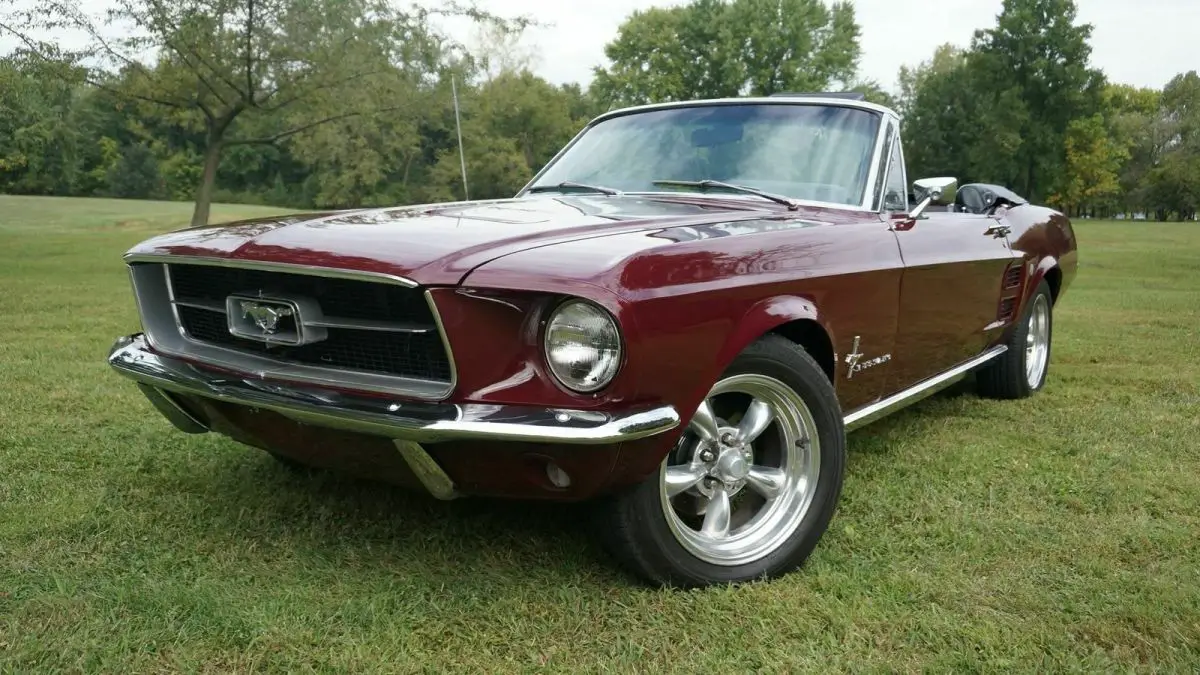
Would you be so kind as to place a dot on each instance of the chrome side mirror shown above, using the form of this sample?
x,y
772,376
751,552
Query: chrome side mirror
x,y
928,191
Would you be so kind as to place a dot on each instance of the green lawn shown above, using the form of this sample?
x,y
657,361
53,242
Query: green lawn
x,y
1056,533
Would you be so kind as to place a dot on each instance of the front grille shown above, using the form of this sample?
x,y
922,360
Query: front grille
x,y
345,298
394,331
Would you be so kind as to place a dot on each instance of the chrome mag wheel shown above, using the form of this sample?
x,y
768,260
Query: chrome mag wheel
x,y
1037,341
743,476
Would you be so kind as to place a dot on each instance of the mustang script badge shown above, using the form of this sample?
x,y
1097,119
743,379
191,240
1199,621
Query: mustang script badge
x,y
857,365
265,316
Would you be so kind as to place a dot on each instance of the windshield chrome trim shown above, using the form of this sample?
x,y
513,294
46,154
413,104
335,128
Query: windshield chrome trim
x,y
866,203
752,100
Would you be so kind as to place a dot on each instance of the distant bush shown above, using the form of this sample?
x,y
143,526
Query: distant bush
x,y
135,174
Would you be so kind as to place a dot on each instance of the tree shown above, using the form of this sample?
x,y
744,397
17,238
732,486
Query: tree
x,y
1037,54
42,143
228,67
874,92
1093,162
530,111
951,127
912,81
1174,182
513,125
134,175
724,48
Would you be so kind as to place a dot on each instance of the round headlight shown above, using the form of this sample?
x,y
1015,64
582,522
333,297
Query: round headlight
x,y
583,346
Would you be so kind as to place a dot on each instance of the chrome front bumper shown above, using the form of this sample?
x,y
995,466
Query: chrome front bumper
x,y
406,423
412,421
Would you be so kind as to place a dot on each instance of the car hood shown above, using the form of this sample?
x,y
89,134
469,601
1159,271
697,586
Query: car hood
x,y
439,244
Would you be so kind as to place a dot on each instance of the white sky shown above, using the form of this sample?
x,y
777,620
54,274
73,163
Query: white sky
x,y
1140,42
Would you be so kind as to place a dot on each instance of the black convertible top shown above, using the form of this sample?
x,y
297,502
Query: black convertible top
x,y
985,198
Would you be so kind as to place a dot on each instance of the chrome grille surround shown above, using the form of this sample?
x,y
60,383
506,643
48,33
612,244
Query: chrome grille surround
x,y
166,334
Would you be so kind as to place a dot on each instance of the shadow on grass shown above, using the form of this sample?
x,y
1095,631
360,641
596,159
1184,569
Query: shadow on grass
x,y
908,424
324,519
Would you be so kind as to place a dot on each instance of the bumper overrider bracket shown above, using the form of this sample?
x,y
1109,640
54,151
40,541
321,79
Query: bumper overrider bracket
x,y
407,423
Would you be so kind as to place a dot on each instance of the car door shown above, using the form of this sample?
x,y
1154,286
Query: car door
x,y
955,267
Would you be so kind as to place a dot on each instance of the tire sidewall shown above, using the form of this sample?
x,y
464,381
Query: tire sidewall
x,y
804,377
1043,290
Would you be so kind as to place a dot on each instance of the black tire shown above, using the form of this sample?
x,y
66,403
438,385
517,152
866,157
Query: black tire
x,y
1007,377
634,526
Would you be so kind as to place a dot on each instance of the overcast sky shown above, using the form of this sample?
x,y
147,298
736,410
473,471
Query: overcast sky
x,y
1140,42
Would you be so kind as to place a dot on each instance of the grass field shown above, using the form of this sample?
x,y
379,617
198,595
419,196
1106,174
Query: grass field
x,y
1058,533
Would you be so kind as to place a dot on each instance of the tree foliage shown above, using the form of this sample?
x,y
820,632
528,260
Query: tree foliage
x,y
250,71
1001,110
332,103
1021,107
724,48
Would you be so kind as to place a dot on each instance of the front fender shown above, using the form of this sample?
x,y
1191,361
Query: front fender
x,y
761,318
638,460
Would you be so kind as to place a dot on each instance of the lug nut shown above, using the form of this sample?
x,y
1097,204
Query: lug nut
x,y
707,456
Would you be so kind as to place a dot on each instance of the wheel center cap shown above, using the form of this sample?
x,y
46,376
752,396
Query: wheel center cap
x,y
732,466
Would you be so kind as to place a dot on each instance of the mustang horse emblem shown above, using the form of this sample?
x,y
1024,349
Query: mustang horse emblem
x,y
266,317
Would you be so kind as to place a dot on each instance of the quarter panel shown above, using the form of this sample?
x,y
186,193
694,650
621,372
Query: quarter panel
x,y
1044,239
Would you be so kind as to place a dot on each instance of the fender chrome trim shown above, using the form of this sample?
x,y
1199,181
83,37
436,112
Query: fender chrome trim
x,y
884,407
421,422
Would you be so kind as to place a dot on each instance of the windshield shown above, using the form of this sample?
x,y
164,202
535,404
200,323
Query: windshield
x,y
813,152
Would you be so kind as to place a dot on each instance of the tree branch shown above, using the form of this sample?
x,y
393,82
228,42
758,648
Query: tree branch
x,y
161,14
37,51
196,71
250,53
308,92
148,99
268,140
208,113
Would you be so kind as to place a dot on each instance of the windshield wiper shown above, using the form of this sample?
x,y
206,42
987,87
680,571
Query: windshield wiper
x,y
570,185
718,185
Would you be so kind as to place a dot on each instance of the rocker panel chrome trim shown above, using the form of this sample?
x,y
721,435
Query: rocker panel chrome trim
x,y
884,407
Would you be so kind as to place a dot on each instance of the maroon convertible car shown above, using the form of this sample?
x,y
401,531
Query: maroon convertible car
x,y
680,316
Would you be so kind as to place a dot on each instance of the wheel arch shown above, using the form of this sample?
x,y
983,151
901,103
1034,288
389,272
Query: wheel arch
x,y
812,336
1049,270
792,317
1053,277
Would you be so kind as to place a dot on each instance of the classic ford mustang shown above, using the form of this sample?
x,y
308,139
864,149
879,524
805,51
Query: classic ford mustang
x,y
680,316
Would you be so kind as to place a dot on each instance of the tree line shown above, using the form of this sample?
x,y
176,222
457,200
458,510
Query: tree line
x,y
341,103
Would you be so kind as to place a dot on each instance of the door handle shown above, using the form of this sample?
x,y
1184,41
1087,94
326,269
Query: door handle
x,y
998,231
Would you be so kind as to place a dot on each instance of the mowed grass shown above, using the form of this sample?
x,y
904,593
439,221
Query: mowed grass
x,y
1057,533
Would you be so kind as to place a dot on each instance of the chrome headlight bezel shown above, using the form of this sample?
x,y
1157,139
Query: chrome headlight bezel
x,y
611,364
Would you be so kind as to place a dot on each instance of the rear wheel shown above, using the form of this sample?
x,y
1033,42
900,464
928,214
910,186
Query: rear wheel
x,y
751,485
1022,370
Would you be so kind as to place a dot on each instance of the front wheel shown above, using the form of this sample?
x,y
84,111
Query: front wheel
x,y
751,485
